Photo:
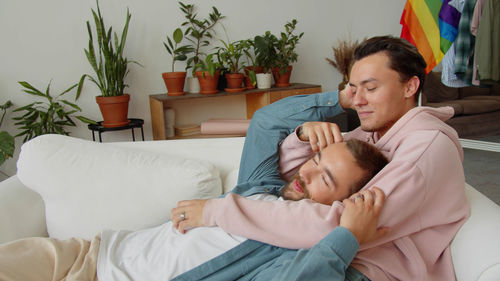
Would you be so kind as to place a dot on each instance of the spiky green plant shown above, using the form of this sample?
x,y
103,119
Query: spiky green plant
x,y
109,64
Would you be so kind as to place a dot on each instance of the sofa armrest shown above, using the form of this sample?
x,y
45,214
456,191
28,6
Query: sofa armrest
x,y
22,212
476,247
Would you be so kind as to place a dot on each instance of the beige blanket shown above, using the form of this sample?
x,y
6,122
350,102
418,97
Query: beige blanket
x,y
40,259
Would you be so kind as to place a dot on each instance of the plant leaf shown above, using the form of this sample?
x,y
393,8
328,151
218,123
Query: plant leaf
x,y
85,119
178,35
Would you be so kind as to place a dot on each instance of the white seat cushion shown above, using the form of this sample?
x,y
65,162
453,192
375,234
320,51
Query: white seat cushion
x,y
88,186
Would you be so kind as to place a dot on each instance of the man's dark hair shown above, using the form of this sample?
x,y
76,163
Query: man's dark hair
x,y
404,57
369,158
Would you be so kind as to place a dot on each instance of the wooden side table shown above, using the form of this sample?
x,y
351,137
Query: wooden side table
x,y
255,99
134,123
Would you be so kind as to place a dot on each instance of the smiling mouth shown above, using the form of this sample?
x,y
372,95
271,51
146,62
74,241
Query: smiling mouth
x,y
297,187
364,114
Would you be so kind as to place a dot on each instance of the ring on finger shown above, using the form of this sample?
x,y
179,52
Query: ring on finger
x,y
183,216
359,196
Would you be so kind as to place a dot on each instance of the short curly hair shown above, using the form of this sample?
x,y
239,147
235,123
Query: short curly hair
x,y
369,158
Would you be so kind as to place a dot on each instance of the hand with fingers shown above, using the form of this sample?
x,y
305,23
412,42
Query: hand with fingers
x,y
320,134
361,213
346,97
188,214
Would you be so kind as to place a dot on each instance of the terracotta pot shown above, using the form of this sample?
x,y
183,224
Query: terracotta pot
x,y
114,110
208,84
248,81
282,80
234,82
174,82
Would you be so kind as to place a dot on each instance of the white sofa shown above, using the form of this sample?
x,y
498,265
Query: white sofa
x,y
23,212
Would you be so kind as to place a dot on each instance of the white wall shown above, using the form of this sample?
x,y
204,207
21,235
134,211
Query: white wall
x,y
44,40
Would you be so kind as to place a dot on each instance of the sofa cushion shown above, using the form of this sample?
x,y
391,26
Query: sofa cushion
x,y
478,106
435,91
493,98
474,91
88,186
459,110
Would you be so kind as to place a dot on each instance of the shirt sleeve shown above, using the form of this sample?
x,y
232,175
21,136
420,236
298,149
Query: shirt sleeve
x,y
288,224
301,224
293,153
327,260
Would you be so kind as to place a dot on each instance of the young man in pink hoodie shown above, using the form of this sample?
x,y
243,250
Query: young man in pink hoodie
x,y
424,181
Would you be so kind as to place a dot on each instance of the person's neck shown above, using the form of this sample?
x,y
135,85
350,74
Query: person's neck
x,y
381,132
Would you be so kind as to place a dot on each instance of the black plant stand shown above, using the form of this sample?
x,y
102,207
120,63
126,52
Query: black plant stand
x,y
134,123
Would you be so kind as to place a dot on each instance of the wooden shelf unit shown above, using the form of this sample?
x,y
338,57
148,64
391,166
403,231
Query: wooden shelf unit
x,y
255,99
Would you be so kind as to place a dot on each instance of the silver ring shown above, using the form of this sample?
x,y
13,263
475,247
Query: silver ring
x,y
183,216
359,196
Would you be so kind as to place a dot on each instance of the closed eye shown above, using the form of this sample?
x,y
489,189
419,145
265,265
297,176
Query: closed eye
x,y
328,172
316,163
324,180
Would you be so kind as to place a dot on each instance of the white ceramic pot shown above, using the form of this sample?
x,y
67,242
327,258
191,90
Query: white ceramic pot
x,y
193,85
264,80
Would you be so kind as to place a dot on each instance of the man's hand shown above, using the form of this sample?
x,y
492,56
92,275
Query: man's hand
x,y
361,213
346,97
320,134
188,214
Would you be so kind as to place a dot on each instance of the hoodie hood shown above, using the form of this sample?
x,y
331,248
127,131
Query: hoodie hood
x,y
418,118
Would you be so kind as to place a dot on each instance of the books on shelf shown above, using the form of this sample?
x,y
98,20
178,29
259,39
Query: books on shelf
x,y
187,130
237,127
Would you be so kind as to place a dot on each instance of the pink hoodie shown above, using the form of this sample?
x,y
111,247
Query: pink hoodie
x,y
425,205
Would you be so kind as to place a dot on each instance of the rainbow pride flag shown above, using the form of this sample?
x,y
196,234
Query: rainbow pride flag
x,y
430,25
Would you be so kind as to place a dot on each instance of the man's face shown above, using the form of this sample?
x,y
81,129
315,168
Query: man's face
x,y
326,177
380,97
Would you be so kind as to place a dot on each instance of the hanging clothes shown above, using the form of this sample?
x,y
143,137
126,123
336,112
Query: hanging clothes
x,y
474,26
448,76
487,49
464,44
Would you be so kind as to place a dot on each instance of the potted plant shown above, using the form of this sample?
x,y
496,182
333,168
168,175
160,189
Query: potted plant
x,y
208,74
230,55
285,49
7,143
198,32
252,68
265,57
47,117
343,56
111,68
175,80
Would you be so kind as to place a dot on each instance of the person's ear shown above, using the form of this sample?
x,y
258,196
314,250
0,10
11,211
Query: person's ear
x,y
412,87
